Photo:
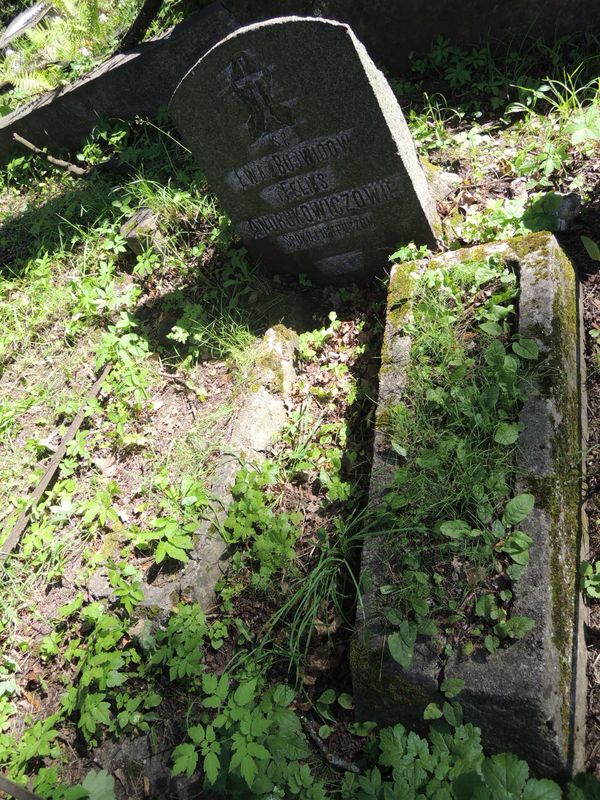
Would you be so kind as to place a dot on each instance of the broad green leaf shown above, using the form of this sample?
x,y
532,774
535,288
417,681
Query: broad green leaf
x,y
402,643
70,608
491,328
455,529
244,693
543,790
209,683
248,770
515,627
452,686
185,759
211,767
327,698
420,606
506,433
325,731
518,508
346,700
393,615
526,348
505,775
593,250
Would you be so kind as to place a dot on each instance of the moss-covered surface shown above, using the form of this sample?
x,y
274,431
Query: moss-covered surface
x,y
558,493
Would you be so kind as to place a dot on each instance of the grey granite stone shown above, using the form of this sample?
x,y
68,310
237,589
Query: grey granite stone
x,y
303,141
528,698
131,84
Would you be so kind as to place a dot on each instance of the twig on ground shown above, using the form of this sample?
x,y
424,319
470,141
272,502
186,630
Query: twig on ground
x,y
331,758
58,162
23,521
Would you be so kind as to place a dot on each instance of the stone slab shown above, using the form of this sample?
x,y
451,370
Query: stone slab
x,y
257,423
131,84
303,141
528,698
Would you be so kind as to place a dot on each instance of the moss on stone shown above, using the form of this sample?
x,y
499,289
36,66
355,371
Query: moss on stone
x,y
558,493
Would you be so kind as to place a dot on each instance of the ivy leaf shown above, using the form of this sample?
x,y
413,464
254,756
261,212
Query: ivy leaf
x,y
346,700
325,731
526,348
452,686
518,508
99,785
402,643
432,711
506,433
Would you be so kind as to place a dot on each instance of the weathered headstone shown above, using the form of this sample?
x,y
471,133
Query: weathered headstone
x,y
303,141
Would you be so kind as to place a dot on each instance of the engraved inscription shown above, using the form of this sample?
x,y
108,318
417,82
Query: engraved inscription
x,y
279,165
337,204
250,85
318,235
299,187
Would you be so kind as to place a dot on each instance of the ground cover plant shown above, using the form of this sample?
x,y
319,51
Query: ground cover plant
x,y
253,698
455,433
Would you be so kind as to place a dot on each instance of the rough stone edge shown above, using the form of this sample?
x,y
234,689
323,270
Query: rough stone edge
x,y
376,676
260,419
63,117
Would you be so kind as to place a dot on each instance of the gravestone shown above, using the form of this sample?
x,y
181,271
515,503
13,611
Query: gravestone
x,y
303,141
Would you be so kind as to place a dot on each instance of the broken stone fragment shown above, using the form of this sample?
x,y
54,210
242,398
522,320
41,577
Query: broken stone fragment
x,y
141,232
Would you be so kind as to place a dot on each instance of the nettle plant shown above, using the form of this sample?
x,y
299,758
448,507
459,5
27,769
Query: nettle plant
x,y
452,514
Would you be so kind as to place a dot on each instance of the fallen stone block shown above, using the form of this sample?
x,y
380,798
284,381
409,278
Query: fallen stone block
x,y
527,697
128,85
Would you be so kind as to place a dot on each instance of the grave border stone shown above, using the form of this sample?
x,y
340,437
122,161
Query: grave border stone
x,y
528,698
